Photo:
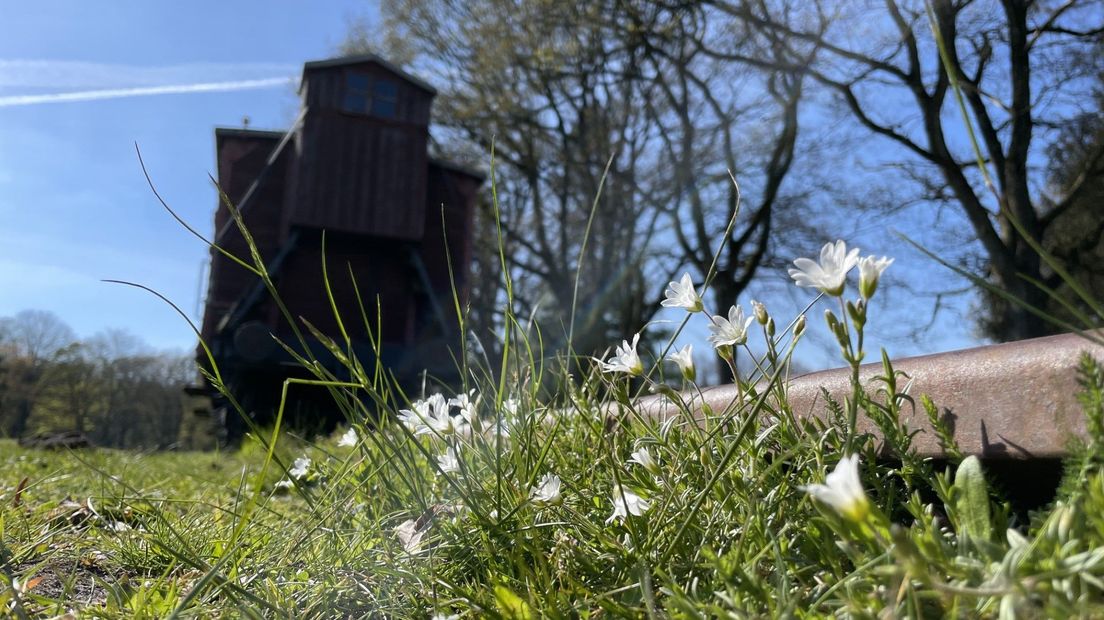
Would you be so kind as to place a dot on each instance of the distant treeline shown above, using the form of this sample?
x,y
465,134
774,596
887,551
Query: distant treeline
x,y
112,387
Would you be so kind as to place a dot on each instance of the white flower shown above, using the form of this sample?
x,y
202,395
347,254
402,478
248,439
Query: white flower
x,y
644,458
410,535
283,485
831,273
299,468
429,416
685,360
870,269
547,491
467,407
416,419
681,294
626,359
448,462
440,421
626,503
511,406
348,439
731,331
843,490
442,616
410,419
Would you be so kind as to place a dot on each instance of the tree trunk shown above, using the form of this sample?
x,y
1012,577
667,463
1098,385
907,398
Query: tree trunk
x,y
23,409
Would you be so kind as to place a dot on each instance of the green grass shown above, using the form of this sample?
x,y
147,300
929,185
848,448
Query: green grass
x,y
728,531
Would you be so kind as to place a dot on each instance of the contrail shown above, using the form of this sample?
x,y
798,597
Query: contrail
x,y
115,93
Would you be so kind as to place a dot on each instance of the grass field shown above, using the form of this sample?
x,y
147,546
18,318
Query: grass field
x,y
729,519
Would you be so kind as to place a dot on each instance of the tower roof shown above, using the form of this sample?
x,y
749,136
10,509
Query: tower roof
x,y
362,59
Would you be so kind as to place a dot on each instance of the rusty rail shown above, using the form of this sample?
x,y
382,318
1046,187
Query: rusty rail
x,y
1007,401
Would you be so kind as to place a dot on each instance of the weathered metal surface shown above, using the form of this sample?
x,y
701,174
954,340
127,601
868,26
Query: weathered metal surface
x,y
1007,401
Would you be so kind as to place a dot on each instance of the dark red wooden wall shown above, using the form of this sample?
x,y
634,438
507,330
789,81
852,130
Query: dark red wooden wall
x,y
360,172
392,217
241,156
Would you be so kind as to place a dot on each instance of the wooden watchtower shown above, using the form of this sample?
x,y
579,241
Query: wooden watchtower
x,y
355,166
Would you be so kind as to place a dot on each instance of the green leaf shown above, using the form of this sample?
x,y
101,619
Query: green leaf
x,y
511,605
972,500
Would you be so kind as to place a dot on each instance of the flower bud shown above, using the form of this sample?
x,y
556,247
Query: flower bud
x,y
665,390
839,330
833,322
1065,523
770,327
799,326
857,312
725,351
705,457
760,312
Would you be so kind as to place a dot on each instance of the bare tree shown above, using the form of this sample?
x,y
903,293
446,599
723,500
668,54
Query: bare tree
x,y
36,334
560,91
1012,59
33,339
721,119
552,93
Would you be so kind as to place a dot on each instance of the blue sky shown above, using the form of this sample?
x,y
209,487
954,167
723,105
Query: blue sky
x,y
74,206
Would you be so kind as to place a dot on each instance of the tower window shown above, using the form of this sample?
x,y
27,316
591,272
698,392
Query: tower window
x,y
365,95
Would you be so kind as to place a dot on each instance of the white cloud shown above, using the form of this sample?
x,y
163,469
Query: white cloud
x,y
32,82
68,75
115,93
